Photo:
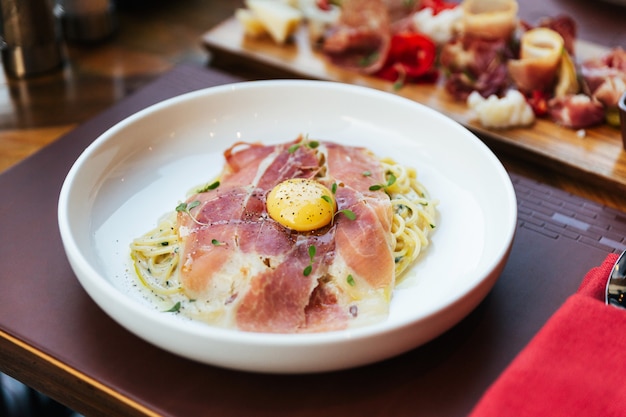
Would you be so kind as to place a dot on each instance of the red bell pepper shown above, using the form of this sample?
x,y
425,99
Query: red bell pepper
x,y
437,5
411,58
538,101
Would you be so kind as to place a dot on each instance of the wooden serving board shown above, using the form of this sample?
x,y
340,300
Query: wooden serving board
x,y
597,157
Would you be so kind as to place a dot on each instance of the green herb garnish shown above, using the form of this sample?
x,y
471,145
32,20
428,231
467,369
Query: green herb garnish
x,y
186,207
208,187
350,280
348,213
391,179
311,144
367,60
307,271
175,308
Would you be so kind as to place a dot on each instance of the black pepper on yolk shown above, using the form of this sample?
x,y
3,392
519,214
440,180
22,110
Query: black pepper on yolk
x,y
301,204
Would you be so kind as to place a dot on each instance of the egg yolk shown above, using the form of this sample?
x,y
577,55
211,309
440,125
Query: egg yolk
x,y
301,204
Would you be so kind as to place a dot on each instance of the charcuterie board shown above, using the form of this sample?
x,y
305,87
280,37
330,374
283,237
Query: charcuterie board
x,y
596,155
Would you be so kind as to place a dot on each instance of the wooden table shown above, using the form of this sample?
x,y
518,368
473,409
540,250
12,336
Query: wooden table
x,y
154,38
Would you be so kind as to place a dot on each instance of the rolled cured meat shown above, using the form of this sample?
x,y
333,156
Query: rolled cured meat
x,y
475,64
361,39
540,55
605,77
491,19
566,27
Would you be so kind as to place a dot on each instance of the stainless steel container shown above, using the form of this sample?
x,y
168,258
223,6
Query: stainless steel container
x,y
31,43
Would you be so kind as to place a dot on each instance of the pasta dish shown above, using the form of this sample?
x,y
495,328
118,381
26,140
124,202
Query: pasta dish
x,y
305,236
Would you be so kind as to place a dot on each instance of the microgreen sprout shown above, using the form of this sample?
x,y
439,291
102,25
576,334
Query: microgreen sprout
x,y
307,271
311,144
349,214
186,207
368,59
175,308
350,280
391,179
208,187
346,212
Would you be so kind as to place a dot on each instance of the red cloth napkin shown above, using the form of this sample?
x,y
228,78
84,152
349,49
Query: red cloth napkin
x,y
574,366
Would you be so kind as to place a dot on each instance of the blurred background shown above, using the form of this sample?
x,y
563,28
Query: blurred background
x,y
148,39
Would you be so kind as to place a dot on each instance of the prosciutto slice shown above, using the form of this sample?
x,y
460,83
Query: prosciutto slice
x,y
605,77
566,27
475,64
360,41
576,111
246,271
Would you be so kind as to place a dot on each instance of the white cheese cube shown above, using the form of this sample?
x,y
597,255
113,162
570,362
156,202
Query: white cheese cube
x,y
279,19
252,26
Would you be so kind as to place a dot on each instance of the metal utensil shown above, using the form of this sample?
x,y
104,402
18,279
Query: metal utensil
x,y
616,285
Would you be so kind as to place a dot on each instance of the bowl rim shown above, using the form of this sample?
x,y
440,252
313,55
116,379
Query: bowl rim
x,y
106,289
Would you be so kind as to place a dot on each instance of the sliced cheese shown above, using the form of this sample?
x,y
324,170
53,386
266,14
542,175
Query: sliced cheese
x,y
279,19
252,26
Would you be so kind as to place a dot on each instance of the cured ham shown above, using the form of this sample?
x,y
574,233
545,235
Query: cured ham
x,y
360,41
540,55
478,46
368,237
605,77
564,26
247,271
576,111
475,60
475,64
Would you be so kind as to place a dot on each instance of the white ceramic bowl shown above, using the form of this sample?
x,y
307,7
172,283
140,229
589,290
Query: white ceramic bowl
x,y
139,169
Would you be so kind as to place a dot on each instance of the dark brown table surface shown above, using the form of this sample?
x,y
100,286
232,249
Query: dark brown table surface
x,y
54,338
